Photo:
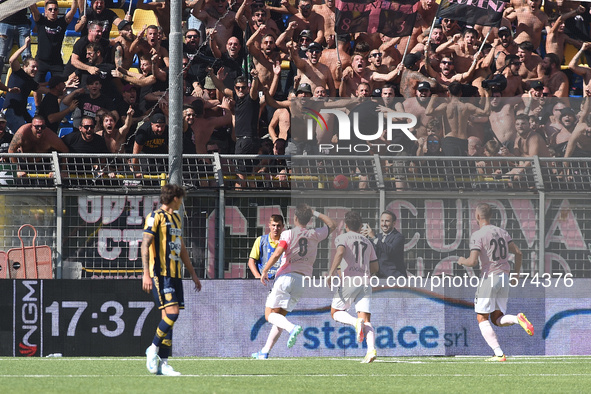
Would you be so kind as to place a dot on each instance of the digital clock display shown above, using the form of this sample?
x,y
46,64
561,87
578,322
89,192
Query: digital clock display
x,y
77,318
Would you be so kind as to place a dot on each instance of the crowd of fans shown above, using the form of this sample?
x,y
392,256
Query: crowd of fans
x,y
244,61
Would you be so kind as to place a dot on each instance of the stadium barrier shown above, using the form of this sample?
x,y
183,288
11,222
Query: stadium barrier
x,y
90,209
226,319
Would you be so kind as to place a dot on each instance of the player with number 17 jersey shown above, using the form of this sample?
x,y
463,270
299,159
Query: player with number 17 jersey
x,y
359,252
301,247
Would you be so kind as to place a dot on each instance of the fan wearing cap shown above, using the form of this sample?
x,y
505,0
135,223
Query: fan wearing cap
x,y
530,21
5,136
98,12
35,137
311,70
536,89
122,44
417,106
506,47
50,107
411,76
152,138
308,19
51,30
584,72
359,72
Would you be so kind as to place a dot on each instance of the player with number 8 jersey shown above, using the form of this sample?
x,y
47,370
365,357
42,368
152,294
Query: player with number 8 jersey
x,y
298,247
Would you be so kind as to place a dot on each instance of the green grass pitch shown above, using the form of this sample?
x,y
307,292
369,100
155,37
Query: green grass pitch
x,y
285,375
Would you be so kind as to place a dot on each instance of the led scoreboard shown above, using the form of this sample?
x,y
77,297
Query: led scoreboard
x,y
75,318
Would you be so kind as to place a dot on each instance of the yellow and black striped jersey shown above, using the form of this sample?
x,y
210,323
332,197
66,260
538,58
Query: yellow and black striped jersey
x,y
165,251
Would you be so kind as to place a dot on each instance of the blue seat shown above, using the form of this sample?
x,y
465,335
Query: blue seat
x,y
31,108
70,30
65,131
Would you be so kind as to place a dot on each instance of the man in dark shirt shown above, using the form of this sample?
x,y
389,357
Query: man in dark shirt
x,y
246,123
78,58
100,14
50,106
90,103
50,37
5,136
152,138
85,140
95,58
12,28
22,78
389,247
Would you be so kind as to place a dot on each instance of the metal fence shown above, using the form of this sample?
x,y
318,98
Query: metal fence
x,y
90,208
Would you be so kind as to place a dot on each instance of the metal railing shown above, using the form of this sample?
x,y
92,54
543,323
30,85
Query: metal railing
x,y
90,208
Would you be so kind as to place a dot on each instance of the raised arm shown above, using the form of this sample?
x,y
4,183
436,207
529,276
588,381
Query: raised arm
x,y
71,12
35,12
445,48
14,63
240,17
573,65
285,37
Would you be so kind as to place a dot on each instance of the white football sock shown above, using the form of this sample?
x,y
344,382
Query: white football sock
x,y
274,335
370,336
507,320
345,318
490,337
280,321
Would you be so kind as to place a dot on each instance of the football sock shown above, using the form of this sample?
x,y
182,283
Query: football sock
x,y
490,337
164,349
507,320
274,335
280,321
164,327
370,336
344,317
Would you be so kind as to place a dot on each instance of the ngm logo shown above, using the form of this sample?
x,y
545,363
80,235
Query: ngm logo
x,y
393,121
27,323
